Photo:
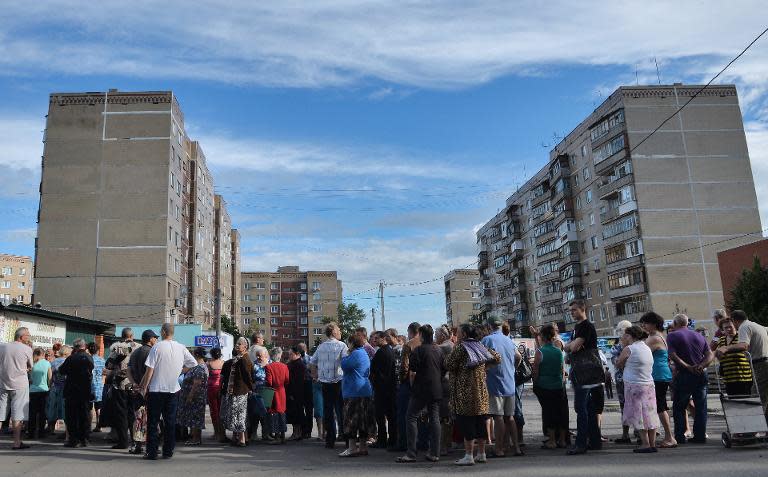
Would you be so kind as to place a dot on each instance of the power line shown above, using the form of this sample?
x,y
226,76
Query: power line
x,y
700,90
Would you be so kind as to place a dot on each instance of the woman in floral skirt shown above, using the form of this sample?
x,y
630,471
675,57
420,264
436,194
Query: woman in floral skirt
x,y
636,360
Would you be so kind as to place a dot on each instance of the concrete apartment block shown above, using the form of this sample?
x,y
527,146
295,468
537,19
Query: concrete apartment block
x,y
125,227
15,279
627,220
222,261
462,296
233,307
289,305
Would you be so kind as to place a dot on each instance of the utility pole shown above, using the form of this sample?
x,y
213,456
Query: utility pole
x,y
381,297
217,312
373,317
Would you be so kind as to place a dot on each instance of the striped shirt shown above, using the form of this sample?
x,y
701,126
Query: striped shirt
x,y
327,358
734,367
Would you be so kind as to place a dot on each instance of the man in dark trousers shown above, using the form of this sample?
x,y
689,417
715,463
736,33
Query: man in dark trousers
x,y
384,381
78,368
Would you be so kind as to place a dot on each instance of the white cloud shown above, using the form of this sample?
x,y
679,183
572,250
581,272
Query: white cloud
x,y
335,42
22,142
757,141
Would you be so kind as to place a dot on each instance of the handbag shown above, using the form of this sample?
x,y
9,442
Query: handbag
x,y
587,368
523,371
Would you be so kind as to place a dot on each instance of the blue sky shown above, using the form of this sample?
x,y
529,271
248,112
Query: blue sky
x,y
368,137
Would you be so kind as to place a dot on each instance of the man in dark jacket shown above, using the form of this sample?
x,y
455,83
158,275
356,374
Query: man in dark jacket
x,y
78,368
426,369
384,381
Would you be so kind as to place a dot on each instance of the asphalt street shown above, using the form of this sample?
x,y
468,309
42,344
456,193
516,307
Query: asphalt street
x,y
310,458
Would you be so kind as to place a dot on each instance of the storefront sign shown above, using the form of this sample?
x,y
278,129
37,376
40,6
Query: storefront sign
x,y
45,332
207,341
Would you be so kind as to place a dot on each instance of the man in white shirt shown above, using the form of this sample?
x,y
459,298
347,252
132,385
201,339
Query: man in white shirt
x,y
753,338
327,361
160,384
15,363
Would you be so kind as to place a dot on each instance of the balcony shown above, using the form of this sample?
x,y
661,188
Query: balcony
x,y
504,267
546,237
630,234
482,260
574,280
551,296
627,291
625,263
611,189
609,215
505,283
606,166
503,301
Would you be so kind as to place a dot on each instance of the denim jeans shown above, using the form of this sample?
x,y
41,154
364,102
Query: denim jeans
x,y
587,430
415,407
332,404
403,398
164,404
687,386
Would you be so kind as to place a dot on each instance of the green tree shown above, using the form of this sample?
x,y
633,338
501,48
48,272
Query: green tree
x,y
318,340
350,317
229,326
751,293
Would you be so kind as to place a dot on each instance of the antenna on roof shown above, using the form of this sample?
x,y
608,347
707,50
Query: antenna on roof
x,y
658,73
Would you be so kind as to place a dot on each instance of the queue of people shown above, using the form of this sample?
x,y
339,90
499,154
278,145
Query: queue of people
x,y
406,394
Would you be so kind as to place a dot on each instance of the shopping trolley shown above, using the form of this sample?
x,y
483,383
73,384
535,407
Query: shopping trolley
x,y
745,421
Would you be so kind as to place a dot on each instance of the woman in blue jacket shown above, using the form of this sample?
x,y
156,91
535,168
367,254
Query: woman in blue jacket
x,y
359,416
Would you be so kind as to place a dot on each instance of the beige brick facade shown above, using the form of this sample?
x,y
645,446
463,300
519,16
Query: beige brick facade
x,y
462,296
15,279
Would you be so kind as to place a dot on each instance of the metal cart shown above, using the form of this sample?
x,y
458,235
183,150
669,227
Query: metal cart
x,y
745,423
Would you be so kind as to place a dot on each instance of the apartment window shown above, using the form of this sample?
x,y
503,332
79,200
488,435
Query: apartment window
x,y
589,292
246,286
178,187
591,218
246,309
315,285
316,296
597,264
317,331
602,313
585,173
303,286
5,284
261,285
274,286
475,294
589,196
274,320
474,283
578,203
303,320
274,297
583,246
176,238
317,319
303,297
22,272
7,270
634,248
177,211
275,309
303,332
303,308
581,225
176,265
626,278
576,179
593,239
600,289
317,307
584,150
246,297
173,180
476,306
274,333
591,315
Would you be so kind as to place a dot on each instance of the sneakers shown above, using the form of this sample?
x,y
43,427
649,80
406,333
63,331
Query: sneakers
x,y
480,459
466,460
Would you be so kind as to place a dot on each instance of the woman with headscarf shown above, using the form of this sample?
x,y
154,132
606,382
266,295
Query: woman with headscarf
x,y
237,380
295,393
277,378
193,397
469,393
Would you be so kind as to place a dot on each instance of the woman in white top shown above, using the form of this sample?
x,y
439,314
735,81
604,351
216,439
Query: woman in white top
x,y
636,360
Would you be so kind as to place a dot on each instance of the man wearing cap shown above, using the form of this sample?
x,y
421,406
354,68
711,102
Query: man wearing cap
x,y
136,370
501,387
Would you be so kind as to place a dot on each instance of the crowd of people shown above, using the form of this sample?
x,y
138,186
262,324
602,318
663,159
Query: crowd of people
x,y
422,392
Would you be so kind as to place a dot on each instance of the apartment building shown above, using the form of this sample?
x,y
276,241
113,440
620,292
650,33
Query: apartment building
x,y
289,306
628,220
126,219
15,279
462,295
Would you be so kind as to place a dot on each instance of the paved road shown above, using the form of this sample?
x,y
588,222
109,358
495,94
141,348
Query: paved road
x,y
310,458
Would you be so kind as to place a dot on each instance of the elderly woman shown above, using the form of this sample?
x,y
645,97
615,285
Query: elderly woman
x,y
734,366
237,380
636,361
193,398
277,377
653,324
359,414
469,393
55,404
295,393
549,387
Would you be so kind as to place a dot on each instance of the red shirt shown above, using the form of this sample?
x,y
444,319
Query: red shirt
x,y
277,378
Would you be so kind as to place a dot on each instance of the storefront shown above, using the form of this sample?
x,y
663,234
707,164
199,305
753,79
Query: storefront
x,y
49,327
